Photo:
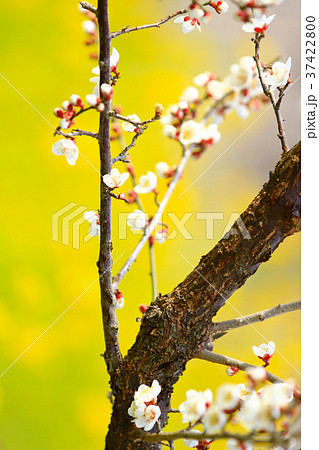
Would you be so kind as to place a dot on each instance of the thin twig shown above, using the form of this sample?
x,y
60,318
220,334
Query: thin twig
x,y
89,7
270,95
206,355
153,269
139,203
136,124
76,133
157,218
124,152
126,30
254,318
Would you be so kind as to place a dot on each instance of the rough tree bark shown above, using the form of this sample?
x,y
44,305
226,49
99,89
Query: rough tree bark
x,y
177,324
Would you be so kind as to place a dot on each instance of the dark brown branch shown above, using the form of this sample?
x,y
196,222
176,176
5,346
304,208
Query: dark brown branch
x,y
110,324
270,95
144,27
206,355
260,316
175,326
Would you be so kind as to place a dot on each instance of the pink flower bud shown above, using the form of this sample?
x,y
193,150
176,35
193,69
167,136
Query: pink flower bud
x,y
143,308
75,100
58,112
106,91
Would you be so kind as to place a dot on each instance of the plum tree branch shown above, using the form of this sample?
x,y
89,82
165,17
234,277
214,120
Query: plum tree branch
x,y
110,323
156,219
275,105
220,327
206,355
127,29
256,438
176,325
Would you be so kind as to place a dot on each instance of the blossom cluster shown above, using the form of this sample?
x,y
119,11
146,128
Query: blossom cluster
x,y
144,409
250,10
255,406
197,14
203,106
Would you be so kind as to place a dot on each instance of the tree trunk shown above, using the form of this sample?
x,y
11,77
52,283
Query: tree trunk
x,y
177,324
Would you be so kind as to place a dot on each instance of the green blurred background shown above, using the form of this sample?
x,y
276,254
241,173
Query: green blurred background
x,y
54,397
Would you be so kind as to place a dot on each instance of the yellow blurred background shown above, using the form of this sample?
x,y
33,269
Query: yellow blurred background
x,y
54,397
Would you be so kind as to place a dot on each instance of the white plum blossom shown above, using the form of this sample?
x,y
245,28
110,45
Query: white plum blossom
x,y
115,179
209,134
195,405
114,60
190,133
202,79
163,170
127,126
147,183
148,394
94,219
136,409
161,235
68,148
241,74
249,411
169,131
256,374
136,220
279,75
89,27
228,397
265,351
188,23
218,89
149,418
190,95
214,419
258,24
143,409
220,7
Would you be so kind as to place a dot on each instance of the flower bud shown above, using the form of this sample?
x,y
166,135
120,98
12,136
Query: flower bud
x,y
106,91
58,112
93,100
100,107
143,308
231,371
65,105
75,100
159,109
122,196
